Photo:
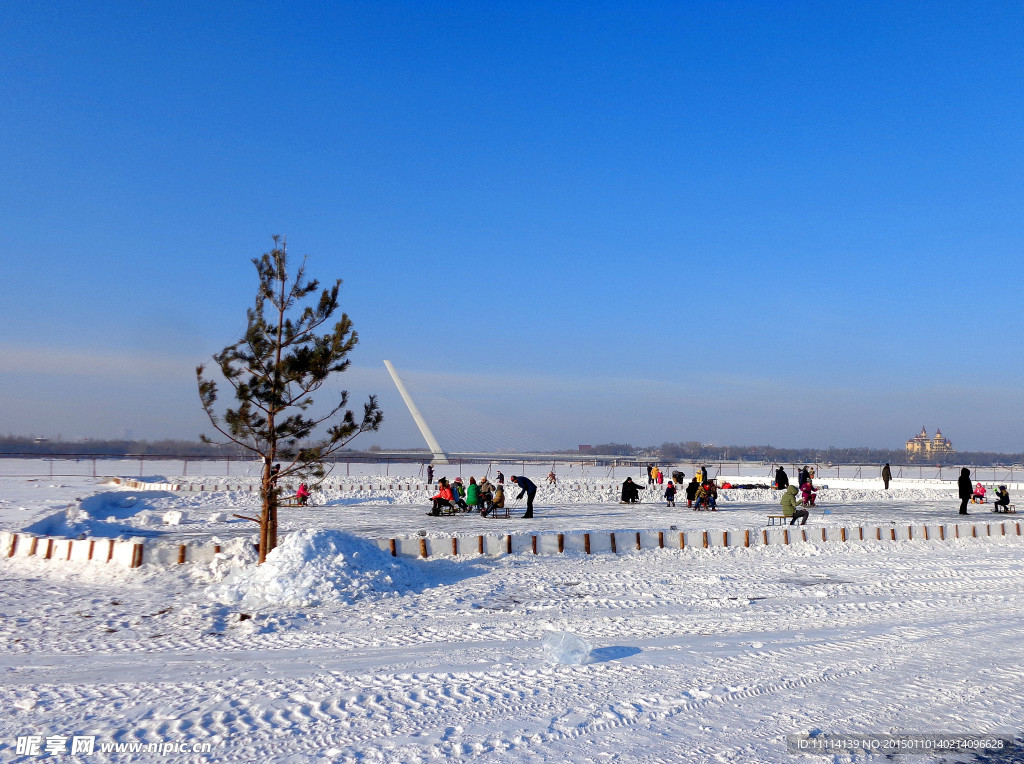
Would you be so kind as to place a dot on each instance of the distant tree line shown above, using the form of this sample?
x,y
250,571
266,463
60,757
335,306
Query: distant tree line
x,y
18,445
694,451
690,451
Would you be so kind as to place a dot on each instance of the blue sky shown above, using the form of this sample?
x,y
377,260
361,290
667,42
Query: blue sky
x,y
735,222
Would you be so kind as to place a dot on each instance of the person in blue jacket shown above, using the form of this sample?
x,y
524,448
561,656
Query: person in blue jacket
x,y
528,489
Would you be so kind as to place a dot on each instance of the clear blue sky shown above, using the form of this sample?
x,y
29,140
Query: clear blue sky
x,y
735,222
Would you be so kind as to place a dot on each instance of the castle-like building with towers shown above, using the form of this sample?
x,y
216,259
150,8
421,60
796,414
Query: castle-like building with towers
x,y
923,447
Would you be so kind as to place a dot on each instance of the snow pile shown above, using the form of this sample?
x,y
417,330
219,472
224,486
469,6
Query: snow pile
x,y
315,568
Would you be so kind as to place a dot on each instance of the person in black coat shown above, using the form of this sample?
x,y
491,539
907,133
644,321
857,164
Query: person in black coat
x,y
781,479
691,491
805,476
886,475
630,491
528,489
965,490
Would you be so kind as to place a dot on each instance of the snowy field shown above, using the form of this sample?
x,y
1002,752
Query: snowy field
x,y
334,651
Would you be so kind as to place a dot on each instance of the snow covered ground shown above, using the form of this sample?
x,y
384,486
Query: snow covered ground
x,y
334,651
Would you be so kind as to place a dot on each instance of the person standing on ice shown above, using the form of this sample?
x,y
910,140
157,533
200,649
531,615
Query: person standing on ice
x,y
964,489
670,494
886,475
781,478
529,490
430,474
691,491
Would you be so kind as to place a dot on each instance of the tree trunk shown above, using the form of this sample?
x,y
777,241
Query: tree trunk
x,y
268,516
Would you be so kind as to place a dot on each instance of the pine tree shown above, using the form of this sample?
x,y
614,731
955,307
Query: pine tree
x,y
274,371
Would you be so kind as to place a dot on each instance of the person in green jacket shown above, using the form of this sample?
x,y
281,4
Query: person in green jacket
x,y
472,494
790,509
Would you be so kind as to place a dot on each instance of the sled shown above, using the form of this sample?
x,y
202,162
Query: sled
x,y
1009,509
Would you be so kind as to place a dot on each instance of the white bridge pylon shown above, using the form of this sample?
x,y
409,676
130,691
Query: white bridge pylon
x,y
440,457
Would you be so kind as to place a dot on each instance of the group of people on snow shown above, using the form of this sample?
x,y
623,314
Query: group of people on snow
x,y
975,492
701,492
483,497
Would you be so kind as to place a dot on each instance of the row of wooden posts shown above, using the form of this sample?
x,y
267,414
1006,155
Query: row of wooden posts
x,y
132,553
459,544
129,553
140,485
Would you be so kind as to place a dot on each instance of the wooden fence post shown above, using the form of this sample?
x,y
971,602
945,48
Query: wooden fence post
x,y
746,537
423,548
393,547
586,543
137,556
613,543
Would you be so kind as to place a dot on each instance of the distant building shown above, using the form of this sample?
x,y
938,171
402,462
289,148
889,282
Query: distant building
x,y
586,448
923,447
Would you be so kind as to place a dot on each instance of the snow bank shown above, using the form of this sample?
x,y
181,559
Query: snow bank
x,y
315,568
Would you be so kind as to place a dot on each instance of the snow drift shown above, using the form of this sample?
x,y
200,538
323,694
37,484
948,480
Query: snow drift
x,y
313,568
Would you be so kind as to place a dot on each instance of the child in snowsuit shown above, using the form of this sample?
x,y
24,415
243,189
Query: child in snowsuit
x,y
979,494
808,494
670,494
459,494
302,495
1002,498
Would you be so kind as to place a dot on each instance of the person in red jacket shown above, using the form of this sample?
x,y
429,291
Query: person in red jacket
x,y
302,495
442,499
